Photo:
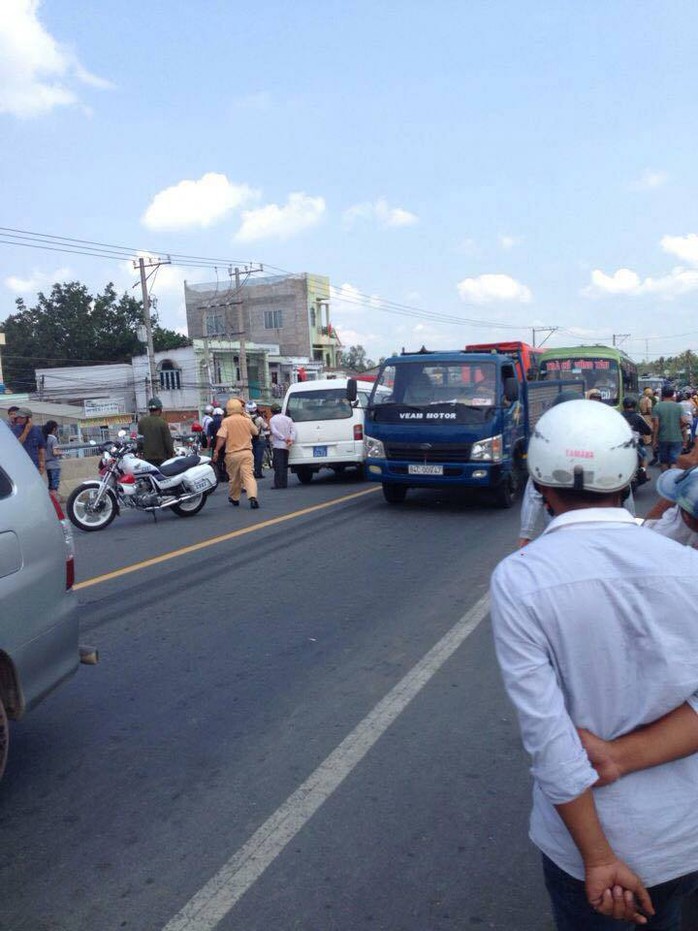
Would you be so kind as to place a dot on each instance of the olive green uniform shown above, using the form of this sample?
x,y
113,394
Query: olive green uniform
x,y
157,440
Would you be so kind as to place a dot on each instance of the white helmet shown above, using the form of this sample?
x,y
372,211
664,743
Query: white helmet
x,y
251,407
208,409
582,445
218,411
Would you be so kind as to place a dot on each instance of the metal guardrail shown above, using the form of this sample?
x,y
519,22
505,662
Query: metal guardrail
x,y
90,449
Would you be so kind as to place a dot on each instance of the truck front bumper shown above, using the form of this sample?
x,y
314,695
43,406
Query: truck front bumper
x,y
464,474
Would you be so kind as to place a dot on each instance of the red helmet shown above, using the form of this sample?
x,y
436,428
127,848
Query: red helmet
x,y
196,427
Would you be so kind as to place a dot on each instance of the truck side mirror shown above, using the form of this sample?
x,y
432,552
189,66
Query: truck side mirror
x,y
511,389
351,389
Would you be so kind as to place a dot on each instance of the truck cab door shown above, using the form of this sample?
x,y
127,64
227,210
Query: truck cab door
x,y
512,409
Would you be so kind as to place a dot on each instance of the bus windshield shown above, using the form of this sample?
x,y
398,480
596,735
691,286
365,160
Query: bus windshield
x,y
602,374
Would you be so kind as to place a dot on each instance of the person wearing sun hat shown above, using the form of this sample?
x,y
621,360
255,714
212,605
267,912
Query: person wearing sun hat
x,y
679,522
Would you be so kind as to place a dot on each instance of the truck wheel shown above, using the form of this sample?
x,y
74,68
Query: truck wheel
x,y
305,475
4,738
394,494
505,495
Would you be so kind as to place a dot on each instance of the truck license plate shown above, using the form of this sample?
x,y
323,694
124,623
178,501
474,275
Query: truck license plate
x,y
425,469
319,451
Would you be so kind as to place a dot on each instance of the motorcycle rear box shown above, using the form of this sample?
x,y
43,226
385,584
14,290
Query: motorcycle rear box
x,y
199,478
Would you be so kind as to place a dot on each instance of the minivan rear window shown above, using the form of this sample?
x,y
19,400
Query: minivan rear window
x,y
327,404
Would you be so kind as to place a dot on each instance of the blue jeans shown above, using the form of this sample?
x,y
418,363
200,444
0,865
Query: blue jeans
x,y
54,479
573,913
258,450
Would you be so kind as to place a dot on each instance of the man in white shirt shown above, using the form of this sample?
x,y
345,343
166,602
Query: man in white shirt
x,y
283,436
595,628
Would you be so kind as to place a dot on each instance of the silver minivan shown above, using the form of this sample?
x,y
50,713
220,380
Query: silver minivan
x,y
38,611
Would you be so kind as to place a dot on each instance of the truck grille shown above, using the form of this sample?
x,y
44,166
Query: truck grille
x,y
439,452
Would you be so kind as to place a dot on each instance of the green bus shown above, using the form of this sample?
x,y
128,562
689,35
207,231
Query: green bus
x,y
605,368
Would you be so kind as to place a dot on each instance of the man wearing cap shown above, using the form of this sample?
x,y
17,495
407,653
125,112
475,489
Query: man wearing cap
x,y
31,437
679,522
594,627
236,433
157,442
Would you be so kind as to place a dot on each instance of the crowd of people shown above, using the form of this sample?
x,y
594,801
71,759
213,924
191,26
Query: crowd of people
x,y
239,440
40,443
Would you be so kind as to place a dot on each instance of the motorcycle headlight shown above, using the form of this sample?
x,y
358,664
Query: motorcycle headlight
x,y
373,448
489,450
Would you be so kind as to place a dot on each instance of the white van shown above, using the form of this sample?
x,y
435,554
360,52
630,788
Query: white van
x,y
329,425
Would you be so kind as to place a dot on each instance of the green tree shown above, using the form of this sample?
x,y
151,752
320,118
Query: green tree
x,y
71,327
354,359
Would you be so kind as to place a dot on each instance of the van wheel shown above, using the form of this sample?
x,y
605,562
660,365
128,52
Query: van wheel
x,y
4,738
394,494
305,474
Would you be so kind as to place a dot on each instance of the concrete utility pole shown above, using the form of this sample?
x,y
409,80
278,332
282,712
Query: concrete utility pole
x,y
141,264
543,329
242,330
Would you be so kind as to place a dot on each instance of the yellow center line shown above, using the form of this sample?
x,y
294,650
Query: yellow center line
x,y
213,541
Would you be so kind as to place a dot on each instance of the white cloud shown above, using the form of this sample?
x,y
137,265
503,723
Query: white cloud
x,y
381,212
683,247
508,242
37,73
38,281
196,203
274,222
649,180
627,282
487,289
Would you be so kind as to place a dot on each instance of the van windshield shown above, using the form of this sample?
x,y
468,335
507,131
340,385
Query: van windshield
x,y
326,404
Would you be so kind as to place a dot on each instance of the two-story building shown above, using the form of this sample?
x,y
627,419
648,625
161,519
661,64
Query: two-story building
x,y
291,311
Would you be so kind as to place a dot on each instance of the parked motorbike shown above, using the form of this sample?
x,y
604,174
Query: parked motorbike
x,y
182,484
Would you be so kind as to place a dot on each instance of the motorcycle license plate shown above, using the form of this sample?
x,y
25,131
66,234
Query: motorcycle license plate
x,y
319,451
425,470
202,484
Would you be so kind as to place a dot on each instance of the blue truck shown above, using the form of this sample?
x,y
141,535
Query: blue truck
x,y
453,419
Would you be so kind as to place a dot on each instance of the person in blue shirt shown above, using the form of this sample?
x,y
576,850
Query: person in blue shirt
x,y
31,437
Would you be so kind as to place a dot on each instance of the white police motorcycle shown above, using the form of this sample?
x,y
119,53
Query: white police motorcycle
x,y
181,484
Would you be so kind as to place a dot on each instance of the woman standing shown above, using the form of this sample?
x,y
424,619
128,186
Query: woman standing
x,y
53,455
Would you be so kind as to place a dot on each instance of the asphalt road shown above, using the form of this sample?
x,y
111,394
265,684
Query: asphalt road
x,y
298,726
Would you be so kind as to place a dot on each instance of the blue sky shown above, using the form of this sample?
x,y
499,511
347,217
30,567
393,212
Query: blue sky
x,y
491,166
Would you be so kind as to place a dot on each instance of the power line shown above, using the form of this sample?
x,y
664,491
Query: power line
x,y
94,249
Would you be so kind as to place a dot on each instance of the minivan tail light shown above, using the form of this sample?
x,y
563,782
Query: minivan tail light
x,y
358,431
68,537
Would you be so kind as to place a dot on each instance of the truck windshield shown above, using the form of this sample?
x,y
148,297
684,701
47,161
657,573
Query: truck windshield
x,y
425,383
322,404
593,372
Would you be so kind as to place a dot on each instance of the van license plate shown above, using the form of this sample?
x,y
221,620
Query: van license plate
x,y
425,469
319,451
